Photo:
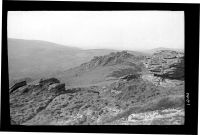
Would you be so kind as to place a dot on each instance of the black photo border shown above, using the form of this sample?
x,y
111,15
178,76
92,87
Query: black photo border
x,y
191,13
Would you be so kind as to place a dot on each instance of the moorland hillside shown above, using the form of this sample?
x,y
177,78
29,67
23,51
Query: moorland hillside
x,y
119,88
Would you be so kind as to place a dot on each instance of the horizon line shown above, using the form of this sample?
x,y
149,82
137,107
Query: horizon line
x,y
59,44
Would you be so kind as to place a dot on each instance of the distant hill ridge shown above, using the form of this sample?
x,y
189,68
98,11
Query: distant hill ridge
x,y
113,58
155,50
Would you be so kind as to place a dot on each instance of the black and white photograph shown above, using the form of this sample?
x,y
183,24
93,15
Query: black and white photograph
x,y
92,67
96,67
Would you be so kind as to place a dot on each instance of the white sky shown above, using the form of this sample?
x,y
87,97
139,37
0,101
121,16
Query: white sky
x,y
123,30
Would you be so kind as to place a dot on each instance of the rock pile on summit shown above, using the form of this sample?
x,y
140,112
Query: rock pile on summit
x,y
167,64
123,57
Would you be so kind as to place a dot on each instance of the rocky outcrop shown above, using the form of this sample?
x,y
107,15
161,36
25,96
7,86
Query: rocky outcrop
x,y
130,77
49,81
14,81
167,64
123,57
94,105
17,85
27,101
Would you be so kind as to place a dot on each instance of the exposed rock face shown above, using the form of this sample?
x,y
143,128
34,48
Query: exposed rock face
x,y
164,83
26,102
167,64
17,85
12,81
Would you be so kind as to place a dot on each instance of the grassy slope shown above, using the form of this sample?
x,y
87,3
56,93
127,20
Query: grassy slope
x,y
102,75
36,59
39,59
